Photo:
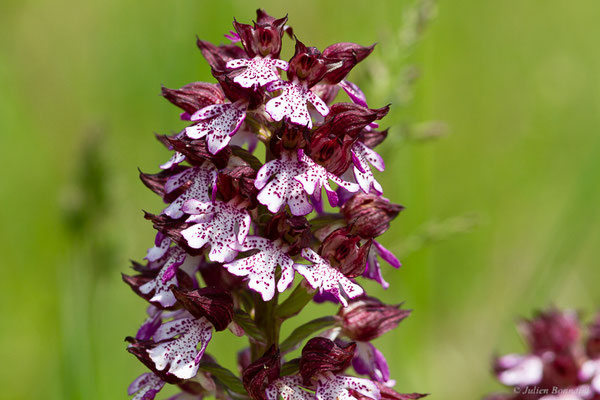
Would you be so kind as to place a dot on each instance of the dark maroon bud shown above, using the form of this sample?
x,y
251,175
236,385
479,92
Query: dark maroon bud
x,y
261,373
172,228
196,151
592,344
214,274
264,38
294,231
350,119
238,182
307,65
213,303
321,355
194,96
369,214
156,183
344,252
330,145
139,348
367,318
551,330
371,138
349,54
332,152
289,137
217,56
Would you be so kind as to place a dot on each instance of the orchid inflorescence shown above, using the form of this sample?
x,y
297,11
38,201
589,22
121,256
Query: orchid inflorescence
x,y
562,363
243,226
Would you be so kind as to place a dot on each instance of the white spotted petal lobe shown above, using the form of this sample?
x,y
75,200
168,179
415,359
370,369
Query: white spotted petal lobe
x,y
322,276
259,71
165,278
362,157
283,188
145,386
217,224
292,104
260,268
288,388
177,346
315,176
331,387
201,179
217,122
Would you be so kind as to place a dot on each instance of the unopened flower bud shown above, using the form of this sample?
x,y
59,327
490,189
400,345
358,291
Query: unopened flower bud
x,y
213,303
261,373
369,214
343,251
367,318
321,355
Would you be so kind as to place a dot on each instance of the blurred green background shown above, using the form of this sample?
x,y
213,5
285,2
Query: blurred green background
x,y
516,81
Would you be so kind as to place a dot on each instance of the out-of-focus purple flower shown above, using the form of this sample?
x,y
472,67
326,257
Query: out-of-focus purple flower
x,y
551,330
517,370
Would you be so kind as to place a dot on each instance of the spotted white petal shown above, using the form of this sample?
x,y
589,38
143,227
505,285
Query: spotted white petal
x,y
201,178
217,224
218,122
288,388
315,176
161,245
259,71
165,278
283,188
322,276
292,104
175,159
331,387
177,346
362,156
145,386
260,268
